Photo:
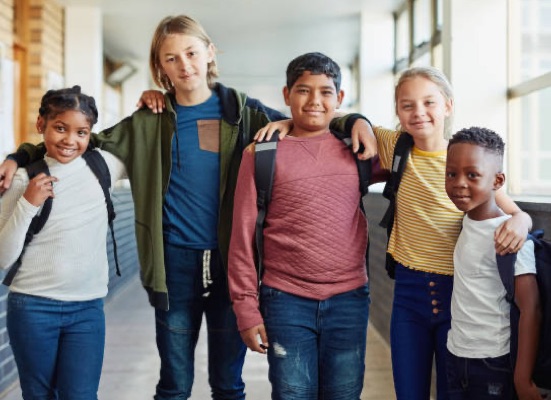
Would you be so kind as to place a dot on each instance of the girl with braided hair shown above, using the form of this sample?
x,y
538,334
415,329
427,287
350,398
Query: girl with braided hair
x,y
55,315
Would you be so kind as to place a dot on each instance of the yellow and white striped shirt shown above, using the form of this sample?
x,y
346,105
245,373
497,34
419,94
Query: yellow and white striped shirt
x,y
426,223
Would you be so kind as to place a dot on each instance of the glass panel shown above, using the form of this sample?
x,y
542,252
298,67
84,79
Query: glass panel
x,y
535,145
423,61
402,36
545,171
422,28
439,14
535,38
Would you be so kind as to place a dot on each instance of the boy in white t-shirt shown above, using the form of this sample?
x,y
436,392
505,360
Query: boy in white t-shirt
x,y
479,362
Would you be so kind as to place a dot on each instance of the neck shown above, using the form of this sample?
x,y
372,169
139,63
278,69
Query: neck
x,y
487,211
304,133
429,144
193,97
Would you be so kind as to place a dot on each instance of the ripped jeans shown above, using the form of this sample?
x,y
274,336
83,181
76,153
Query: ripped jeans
x,y
480,378
317,348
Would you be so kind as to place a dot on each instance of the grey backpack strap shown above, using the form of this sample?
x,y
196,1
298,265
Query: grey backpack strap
x,y
399,160
265,154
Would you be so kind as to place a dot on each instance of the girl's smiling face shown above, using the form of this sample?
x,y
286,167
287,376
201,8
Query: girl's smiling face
x,y
66,135
422,108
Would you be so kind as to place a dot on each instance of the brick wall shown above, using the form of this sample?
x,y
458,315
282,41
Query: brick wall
x,y
46,19
6,28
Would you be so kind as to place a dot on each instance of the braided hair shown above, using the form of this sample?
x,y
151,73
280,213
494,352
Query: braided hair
x,y
55,102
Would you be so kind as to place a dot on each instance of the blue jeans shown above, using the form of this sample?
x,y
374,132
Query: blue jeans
x,y
419,331
178,328
57,346
480,378
317,348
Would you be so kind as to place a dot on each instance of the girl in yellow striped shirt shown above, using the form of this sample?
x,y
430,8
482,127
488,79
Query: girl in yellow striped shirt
x,y
426,227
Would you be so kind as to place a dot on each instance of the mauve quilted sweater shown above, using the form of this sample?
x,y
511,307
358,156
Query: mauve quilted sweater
x,y
315,236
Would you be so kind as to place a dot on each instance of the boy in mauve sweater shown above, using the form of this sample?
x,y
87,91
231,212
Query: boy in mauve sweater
x,y
310,313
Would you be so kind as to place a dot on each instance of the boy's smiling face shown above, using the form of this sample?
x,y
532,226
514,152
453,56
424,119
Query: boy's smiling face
x,y
473,174
313,100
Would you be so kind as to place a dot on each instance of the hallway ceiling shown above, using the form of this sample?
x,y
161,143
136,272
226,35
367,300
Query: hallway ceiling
x,y
254,38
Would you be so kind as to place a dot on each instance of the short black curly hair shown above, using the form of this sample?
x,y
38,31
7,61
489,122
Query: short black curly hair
x,y
482,137
316,63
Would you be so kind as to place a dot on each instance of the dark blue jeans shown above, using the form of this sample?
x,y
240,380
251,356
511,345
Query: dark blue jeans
x,y
419,331
317,348
480,378
178,328
57,346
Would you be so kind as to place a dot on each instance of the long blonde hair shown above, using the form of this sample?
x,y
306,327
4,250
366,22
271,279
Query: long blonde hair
x,y
439,79
184,25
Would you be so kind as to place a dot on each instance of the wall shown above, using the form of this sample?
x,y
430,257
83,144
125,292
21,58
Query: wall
x,y
6,28
128,262
46,19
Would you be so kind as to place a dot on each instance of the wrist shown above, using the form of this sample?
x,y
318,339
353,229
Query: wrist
x,y
21,158
351,120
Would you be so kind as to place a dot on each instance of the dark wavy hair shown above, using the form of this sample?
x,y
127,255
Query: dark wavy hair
x,y
55,102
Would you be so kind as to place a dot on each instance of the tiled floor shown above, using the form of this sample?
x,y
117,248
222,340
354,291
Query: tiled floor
x,y
131,364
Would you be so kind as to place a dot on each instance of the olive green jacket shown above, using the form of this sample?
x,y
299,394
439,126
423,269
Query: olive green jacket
x,y
143,141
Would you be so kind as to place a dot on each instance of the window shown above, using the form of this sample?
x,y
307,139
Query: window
x,y
529,93
418,26
422,26
402,38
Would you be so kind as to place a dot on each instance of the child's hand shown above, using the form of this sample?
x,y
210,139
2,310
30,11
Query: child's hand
x,y
511,235
363,133
284,126
153,99
252,336
528,391
39,189
7,171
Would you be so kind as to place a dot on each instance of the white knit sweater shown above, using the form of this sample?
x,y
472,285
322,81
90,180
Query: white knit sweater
x,y
67,260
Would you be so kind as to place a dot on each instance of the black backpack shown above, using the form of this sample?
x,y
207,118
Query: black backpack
x,y
265,155
399,159
97,164
506,268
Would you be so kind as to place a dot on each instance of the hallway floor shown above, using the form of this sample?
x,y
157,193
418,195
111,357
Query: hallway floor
x,y
130,369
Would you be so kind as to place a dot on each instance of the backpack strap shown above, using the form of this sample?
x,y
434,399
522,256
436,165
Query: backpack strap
x,y
506,269
98,165
264,168
38,221
402,149
244,126
364,166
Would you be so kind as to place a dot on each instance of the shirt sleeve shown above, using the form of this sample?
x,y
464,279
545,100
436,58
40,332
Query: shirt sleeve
x,y
16,215
526,259
242,274
115,165
386,141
